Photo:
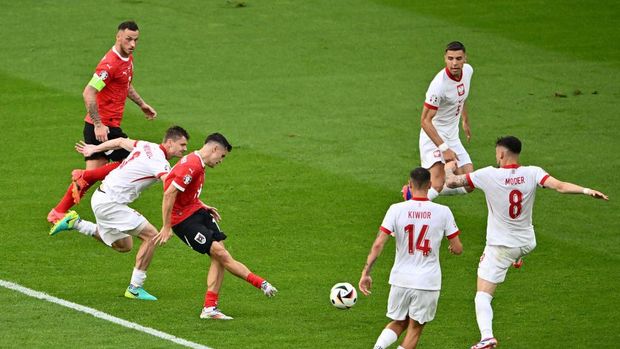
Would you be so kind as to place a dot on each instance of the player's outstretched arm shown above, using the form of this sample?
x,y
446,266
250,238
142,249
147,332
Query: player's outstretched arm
x,y
570,188
365,283
164,234
453,180
148,111
113,144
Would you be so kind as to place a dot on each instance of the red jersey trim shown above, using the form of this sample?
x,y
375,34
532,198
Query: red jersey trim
x,y
430,106
119,55
420,199
385,230
544,179
512,166
452,76
135,143
161,174
161,146
453,235
469,182
180,188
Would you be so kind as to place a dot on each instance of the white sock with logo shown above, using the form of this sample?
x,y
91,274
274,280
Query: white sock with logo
x,y
85,227
138,277
484,314
386,338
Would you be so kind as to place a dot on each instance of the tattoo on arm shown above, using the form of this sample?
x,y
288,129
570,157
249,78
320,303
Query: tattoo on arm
x,y
94,113
134,96
455,181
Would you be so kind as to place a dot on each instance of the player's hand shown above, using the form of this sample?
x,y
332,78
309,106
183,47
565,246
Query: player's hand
x,y
365,284
85,149
162,237
148,111
449,155
450,165
213,211
101,132
598,195
467,131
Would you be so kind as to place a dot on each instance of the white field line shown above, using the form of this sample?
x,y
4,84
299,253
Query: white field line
x,y
101,315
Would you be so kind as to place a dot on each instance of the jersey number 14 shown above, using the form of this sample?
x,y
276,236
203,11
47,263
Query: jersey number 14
x,y
421,244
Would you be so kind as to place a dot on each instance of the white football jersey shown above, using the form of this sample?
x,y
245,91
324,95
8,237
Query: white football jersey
x,y
143,166
510,193
447,96
418,225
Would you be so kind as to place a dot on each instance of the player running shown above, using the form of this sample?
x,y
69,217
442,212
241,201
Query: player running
x,y
116,221
195,223
104,97
418,225
510,191
443,108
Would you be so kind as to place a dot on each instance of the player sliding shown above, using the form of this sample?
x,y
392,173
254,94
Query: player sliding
x,y
195,223
443,108
510,192
116,222
418,226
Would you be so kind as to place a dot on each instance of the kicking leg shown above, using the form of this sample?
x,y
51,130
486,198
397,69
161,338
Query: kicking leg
x,y
390,333
484,314
413,335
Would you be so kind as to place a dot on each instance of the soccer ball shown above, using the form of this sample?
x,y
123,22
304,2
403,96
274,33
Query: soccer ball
x,y
343,295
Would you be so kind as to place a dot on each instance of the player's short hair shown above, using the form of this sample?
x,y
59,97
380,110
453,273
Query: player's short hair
x,y
455,46
175,133
219,138
420,177
512,143
131,25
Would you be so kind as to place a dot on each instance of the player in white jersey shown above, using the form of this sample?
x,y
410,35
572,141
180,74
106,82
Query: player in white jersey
x,y
443,107
116,222
418,225
509,192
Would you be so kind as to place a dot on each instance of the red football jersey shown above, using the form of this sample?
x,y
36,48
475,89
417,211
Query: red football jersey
x,y
116,72
187,176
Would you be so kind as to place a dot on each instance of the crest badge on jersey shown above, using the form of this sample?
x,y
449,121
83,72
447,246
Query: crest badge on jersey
x,y
433,100
103,75
201,239
187,179
460,89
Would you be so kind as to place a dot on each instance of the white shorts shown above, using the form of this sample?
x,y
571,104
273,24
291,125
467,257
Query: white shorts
x,y
115,221
496,260
430,154
420,305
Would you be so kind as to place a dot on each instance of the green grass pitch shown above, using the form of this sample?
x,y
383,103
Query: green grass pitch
x,y
322,101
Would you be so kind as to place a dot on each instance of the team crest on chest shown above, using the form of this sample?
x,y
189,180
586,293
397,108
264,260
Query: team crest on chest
x,y
460,89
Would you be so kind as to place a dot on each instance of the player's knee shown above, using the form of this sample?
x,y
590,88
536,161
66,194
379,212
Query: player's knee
x,y
123,245
219,252
148,232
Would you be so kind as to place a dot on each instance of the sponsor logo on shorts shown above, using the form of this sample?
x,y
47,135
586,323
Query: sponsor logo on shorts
x,y
201,239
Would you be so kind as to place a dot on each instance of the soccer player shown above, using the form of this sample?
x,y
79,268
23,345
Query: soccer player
x,y
418,225
509,191
116,221
195,223
443,108
104,97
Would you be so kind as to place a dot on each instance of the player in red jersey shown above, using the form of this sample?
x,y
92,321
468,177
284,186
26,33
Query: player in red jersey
x,y
195,223
104,97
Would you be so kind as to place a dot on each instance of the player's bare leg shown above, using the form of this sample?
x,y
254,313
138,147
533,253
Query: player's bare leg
x,y
215,277
95,163
123,245
146,250
484,313
390,333
219,252
144,256
438,177
414,330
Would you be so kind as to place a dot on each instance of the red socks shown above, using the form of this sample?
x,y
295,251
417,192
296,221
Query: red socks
x,y
66,202
255,280
211,299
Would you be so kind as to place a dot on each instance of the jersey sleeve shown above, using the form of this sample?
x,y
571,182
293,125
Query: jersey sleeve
x,y
450,229
433,95
479,178
388,225
541,176
182,176
103,74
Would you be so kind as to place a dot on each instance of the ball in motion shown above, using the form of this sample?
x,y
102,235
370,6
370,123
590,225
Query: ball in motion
x,y
343,295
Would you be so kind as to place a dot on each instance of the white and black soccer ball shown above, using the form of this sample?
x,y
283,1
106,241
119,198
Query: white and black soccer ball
x,y
343,295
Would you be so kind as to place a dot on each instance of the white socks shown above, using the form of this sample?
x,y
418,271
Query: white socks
x,y
432,194
86,227
484,314
386,338
138,277
452,191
